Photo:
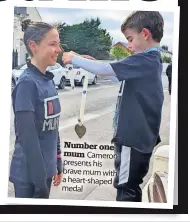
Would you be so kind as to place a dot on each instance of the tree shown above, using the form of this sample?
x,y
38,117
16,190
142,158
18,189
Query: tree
x,y
86,38
59,58
119,52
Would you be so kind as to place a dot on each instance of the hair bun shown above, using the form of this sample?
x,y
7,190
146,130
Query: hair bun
x,y
25,24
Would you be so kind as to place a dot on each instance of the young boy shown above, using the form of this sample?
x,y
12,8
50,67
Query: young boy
x,y
138,110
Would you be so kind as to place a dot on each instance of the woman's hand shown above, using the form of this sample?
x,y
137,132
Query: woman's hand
x,y
57,178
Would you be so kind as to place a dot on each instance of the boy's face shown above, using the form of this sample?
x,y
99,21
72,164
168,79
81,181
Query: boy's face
x,y
137,42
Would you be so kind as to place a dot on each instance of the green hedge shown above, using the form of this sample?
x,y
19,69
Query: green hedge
x,y
166,59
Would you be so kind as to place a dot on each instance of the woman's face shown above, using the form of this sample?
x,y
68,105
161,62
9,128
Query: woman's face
x,y
48,49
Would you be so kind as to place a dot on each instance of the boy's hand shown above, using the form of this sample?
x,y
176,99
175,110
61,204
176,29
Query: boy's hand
x,y
67,57
88,57
84,56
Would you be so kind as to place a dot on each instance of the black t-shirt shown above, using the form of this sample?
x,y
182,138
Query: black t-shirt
x,y
139,106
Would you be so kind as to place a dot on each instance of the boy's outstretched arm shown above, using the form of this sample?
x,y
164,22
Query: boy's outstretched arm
x,y
95,67
132,67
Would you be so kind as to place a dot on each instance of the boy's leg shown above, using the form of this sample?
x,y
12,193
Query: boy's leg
x,y
23,190
131,167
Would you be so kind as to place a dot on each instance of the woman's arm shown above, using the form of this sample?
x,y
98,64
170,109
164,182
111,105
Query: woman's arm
x,y
58,177
59,159
28,138
24,104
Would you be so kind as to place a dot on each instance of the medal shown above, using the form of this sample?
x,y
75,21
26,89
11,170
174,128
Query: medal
x,y
71,75
80,129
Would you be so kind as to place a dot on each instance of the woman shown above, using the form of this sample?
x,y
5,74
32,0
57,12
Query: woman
x,y
37,156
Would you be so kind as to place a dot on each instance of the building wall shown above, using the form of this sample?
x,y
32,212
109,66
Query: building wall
x,y
34,14
18,33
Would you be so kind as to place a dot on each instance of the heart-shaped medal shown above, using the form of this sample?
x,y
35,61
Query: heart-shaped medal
x,y
80,130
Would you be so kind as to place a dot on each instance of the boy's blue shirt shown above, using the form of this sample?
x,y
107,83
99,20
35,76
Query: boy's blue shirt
x,y
36,92
138,110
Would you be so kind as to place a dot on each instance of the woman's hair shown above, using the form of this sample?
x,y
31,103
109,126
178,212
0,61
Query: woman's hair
x,y
34,31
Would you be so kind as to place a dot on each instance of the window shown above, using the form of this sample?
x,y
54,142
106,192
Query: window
x,y
58,65
63,65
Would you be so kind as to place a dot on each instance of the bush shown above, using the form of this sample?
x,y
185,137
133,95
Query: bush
x,y
166,59
118,52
